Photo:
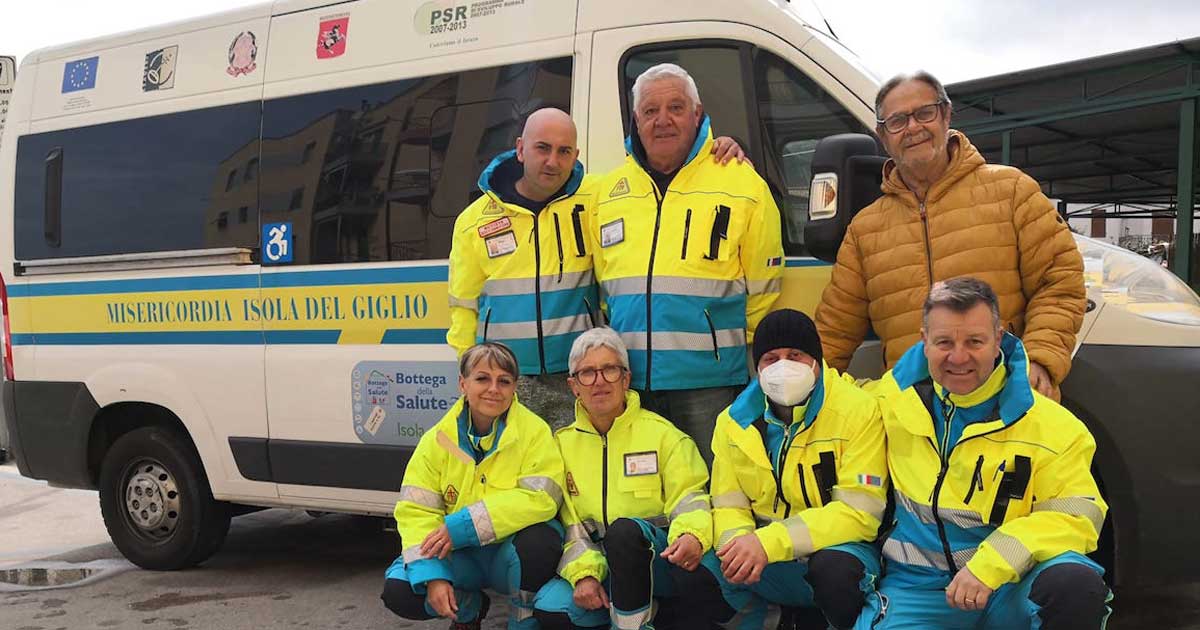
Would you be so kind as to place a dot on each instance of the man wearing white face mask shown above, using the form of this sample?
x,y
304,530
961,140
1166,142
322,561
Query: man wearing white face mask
x,y
798,489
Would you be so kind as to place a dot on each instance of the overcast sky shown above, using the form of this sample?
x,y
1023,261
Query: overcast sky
x,y
954,39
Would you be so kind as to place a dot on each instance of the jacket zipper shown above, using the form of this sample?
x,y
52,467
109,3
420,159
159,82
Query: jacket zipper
x,y
537,289
650,283
928,244
937,490
712,330
976,480
604,483
487,319
558,239
577,224
784,446
687,226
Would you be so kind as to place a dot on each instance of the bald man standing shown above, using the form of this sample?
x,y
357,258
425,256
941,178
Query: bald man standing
x,y
520,269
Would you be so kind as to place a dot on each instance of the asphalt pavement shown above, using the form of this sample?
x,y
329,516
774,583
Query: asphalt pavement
x,y
278,569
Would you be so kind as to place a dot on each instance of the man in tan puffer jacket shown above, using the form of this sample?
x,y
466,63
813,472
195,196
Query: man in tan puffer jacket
x,y
946,213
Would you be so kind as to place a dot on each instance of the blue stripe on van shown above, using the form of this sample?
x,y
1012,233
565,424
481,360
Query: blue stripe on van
x,y
281,337
806,262
389,275
392,275
435,336
202,337
140,285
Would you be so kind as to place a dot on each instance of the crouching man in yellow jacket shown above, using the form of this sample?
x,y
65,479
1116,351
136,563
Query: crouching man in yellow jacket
x,y
636,504
798,489
475,501
995,500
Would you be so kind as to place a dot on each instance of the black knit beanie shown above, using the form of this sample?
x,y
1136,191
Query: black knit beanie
x,y
787,328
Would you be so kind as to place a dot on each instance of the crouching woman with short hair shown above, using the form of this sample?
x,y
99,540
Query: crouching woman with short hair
x,y
475,501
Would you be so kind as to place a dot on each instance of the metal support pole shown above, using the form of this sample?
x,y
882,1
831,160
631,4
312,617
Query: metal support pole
x,y
1185,200
1006,147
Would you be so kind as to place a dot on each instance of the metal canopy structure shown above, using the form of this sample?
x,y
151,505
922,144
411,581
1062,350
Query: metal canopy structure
x,y
1116,133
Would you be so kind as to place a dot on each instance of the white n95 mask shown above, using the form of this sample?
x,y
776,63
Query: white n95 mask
x,y
786,382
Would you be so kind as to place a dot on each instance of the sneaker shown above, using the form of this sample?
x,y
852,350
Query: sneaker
x,y
477,624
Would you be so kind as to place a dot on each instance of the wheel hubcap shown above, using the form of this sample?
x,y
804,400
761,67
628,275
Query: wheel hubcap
x,y
152,499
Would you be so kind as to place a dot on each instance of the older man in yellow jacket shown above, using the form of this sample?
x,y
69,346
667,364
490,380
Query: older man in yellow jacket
x,y
636,504
995,500
688,257
947,213
798,489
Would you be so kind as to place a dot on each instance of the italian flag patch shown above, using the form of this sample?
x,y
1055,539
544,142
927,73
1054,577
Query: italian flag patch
x,y
870,480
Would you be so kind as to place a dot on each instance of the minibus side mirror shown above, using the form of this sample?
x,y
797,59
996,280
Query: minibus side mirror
x,y
847,169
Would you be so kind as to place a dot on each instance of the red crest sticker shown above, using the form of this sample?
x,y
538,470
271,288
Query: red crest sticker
x,y
499,225
331,36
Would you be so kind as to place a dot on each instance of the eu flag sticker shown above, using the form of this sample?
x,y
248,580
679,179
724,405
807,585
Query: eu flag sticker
x,y
80,74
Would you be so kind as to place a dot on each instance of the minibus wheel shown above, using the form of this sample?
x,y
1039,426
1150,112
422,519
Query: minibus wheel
x,y
156,501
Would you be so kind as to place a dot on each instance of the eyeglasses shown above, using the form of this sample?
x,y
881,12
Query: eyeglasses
x,y
925,114
587,376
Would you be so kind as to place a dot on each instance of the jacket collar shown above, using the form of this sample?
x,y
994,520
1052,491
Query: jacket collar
x,y
633,409
1015,397
635,150
464,428
751,404
964,158
506,168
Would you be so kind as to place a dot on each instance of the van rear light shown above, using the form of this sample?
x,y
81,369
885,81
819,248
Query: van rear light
x,y
8,350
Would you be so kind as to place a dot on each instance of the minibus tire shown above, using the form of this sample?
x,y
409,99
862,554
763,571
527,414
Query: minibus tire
x,y
156,501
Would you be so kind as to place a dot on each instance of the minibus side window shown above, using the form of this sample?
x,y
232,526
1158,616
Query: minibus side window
x,y
380,172
794,114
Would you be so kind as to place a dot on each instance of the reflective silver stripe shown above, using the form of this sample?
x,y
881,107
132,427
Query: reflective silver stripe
x,y
959,518
523,605
422,496
412,554
861,501
774,285
575,550
676,285
802,544
726,337
731,499
1014,552
696,505
633,621
730,534
524,286
484,530
568,324
1074,506
461,303
577,532
510,330
542,484
908,553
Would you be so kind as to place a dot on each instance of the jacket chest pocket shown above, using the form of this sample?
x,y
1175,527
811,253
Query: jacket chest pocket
x,y
815,474
709,233
640,486
998,488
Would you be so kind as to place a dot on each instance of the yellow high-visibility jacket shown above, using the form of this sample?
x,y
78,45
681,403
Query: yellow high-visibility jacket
x,y
687,273
831,487
523,279
643,468
516,483
1014,490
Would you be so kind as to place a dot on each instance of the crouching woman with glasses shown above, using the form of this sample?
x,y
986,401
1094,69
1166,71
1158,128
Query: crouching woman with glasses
x,y
475,501
628,520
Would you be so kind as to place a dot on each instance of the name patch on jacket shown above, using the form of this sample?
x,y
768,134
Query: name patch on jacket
x,y
638,464
495,227
612,233
501,244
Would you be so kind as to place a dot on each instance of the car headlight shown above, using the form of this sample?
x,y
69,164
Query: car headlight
x,y
1136,283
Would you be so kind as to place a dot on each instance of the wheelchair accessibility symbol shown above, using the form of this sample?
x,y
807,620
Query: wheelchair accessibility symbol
x,y
277,243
